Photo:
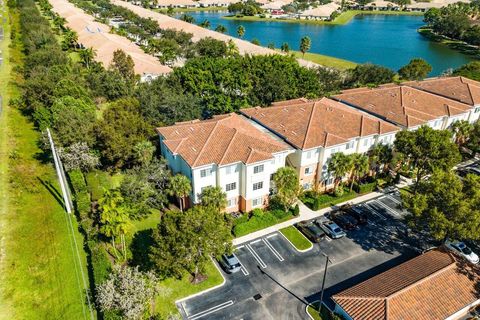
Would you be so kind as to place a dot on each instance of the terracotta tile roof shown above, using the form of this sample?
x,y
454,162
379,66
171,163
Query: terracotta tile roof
x,y
224,139
456,88
402,105
324,122
429,287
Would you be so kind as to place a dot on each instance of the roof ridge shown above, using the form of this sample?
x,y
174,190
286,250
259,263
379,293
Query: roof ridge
x,y
360,298
428,277
179,144
309,124
439,96
205,144
229,144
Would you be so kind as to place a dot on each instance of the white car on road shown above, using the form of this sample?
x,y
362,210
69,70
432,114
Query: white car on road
x,y
463,250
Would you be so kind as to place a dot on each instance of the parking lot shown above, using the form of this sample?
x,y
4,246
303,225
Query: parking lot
x,y
277,282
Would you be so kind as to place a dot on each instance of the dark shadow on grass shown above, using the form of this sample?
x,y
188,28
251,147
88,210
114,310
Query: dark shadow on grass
x,y
141,242
282,286
53,191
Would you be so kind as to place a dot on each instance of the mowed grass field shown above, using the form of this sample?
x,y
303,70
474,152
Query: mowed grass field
x,y
39,269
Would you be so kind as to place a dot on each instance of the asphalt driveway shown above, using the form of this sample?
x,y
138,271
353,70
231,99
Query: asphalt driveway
x,y
277,282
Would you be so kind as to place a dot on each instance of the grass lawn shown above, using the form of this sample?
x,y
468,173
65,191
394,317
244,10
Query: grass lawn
x,y
313,311
343,18
296,238
326,60
39,271
177,10
97,181
177,289
149,222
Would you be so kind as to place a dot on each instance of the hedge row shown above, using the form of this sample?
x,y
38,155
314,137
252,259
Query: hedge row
x,y
257,220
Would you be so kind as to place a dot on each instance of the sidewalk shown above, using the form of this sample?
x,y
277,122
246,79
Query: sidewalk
x,y
306,213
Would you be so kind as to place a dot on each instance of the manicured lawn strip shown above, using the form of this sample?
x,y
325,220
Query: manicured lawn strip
x,y
38,271
149,222
259,220
313,313
343,18
177,289
296,238
326,199
326,60
97,182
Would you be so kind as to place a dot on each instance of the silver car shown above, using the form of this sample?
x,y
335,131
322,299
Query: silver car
x,y
463,250
230,263
332,229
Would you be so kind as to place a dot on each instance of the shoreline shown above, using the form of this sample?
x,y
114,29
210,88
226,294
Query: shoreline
x,y
342,19
457,45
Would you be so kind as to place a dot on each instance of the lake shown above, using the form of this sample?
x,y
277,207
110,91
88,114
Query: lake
x,y
389,40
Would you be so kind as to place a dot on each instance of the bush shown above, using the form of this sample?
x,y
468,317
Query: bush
x,y
100,263
296,211
81,194
280,214
365,187
259,219
316,202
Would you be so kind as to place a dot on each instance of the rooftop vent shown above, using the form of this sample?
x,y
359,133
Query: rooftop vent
x,y
194,149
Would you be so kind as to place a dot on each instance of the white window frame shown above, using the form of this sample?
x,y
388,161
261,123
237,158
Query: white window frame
x,y
256,184
310,171
257,202
232,202
205,172
477,110
228,186
350,145
258,169
309,154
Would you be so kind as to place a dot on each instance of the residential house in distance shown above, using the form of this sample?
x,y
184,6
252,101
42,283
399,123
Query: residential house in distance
x,y
322,12
406,106
317,129
227,151
456,88
432,286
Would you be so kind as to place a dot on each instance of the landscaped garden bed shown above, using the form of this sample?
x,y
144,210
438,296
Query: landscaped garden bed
x,y
259,219
296,238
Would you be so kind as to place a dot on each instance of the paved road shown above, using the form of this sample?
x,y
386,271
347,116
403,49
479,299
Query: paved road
x,y
276,281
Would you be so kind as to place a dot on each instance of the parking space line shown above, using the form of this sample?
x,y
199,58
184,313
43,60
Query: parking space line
x,y
393,199
240,246
274,251
395,213
256,256
255,241
211,310
244,270
374,211
271,235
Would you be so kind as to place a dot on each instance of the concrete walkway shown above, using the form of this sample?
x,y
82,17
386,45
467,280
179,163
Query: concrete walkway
x,y
306,213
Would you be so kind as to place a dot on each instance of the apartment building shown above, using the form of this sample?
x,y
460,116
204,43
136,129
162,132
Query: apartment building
x,y
317,130
405,106
227,151
459,89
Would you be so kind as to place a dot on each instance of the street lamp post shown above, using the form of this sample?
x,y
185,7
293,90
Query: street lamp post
x,y
323,281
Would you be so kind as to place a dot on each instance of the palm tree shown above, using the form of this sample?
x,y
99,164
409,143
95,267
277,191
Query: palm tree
x,y
240,31
305,44
87,55
285,47
359,167
205,24
187,18
214,197
70,39
114,217
59,22
461,129
180,187
232,49
220,28
380,157
339,165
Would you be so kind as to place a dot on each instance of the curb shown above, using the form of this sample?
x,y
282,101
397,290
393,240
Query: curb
x,y
301,251
306,309
206,290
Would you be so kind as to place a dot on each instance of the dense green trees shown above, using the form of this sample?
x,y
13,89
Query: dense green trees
x,y
425,150
470,70
287,187
185,241
416,69
209,47
369,74
180,187
446,206
213,197
305,45
339,165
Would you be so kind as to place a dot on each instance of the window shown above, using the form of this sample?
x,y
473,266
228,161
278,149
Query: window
x,y
231,186
350,145
309,154
366,142
329,181
258,186
308,171
205,172
231,169
257,202
307,186
334,150
477,110
231,202
258,169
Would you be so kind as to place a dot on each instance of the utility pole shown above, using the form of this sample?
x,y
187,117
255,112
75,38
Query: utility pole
x,y
323,281
61,175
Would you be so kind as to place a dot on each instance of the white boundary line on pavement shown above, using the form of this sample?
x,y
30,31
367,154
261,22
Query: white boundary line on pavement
x,y
304,250
206,290
375,212
244,270
393,212
272,235
211,310
275,252
255,241
256,256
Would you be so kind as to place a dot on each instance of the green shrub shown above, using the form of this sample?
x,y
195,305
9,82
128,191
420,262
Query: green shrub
x,y
365,187
296,210
78,181
100,263
97,182
259,219
280,214
339,192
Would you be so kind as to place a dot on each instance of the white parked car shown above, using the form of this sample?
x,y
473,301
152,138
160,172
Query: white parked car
x,y
463,250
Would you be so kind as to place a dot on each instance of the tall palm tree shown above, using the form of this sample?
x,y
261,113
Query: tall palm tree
x,y
305,44
214,197
461,129
359,167
114,217
232,49
187,18
220,28
87,55
205,24
380,157
70,39
338,166
180,187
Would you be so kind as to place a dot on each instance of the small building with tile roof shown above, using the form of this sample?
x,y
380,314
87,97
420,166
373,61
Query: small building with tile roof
x,y
433,286
460,89
228,151
319,128
406,106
